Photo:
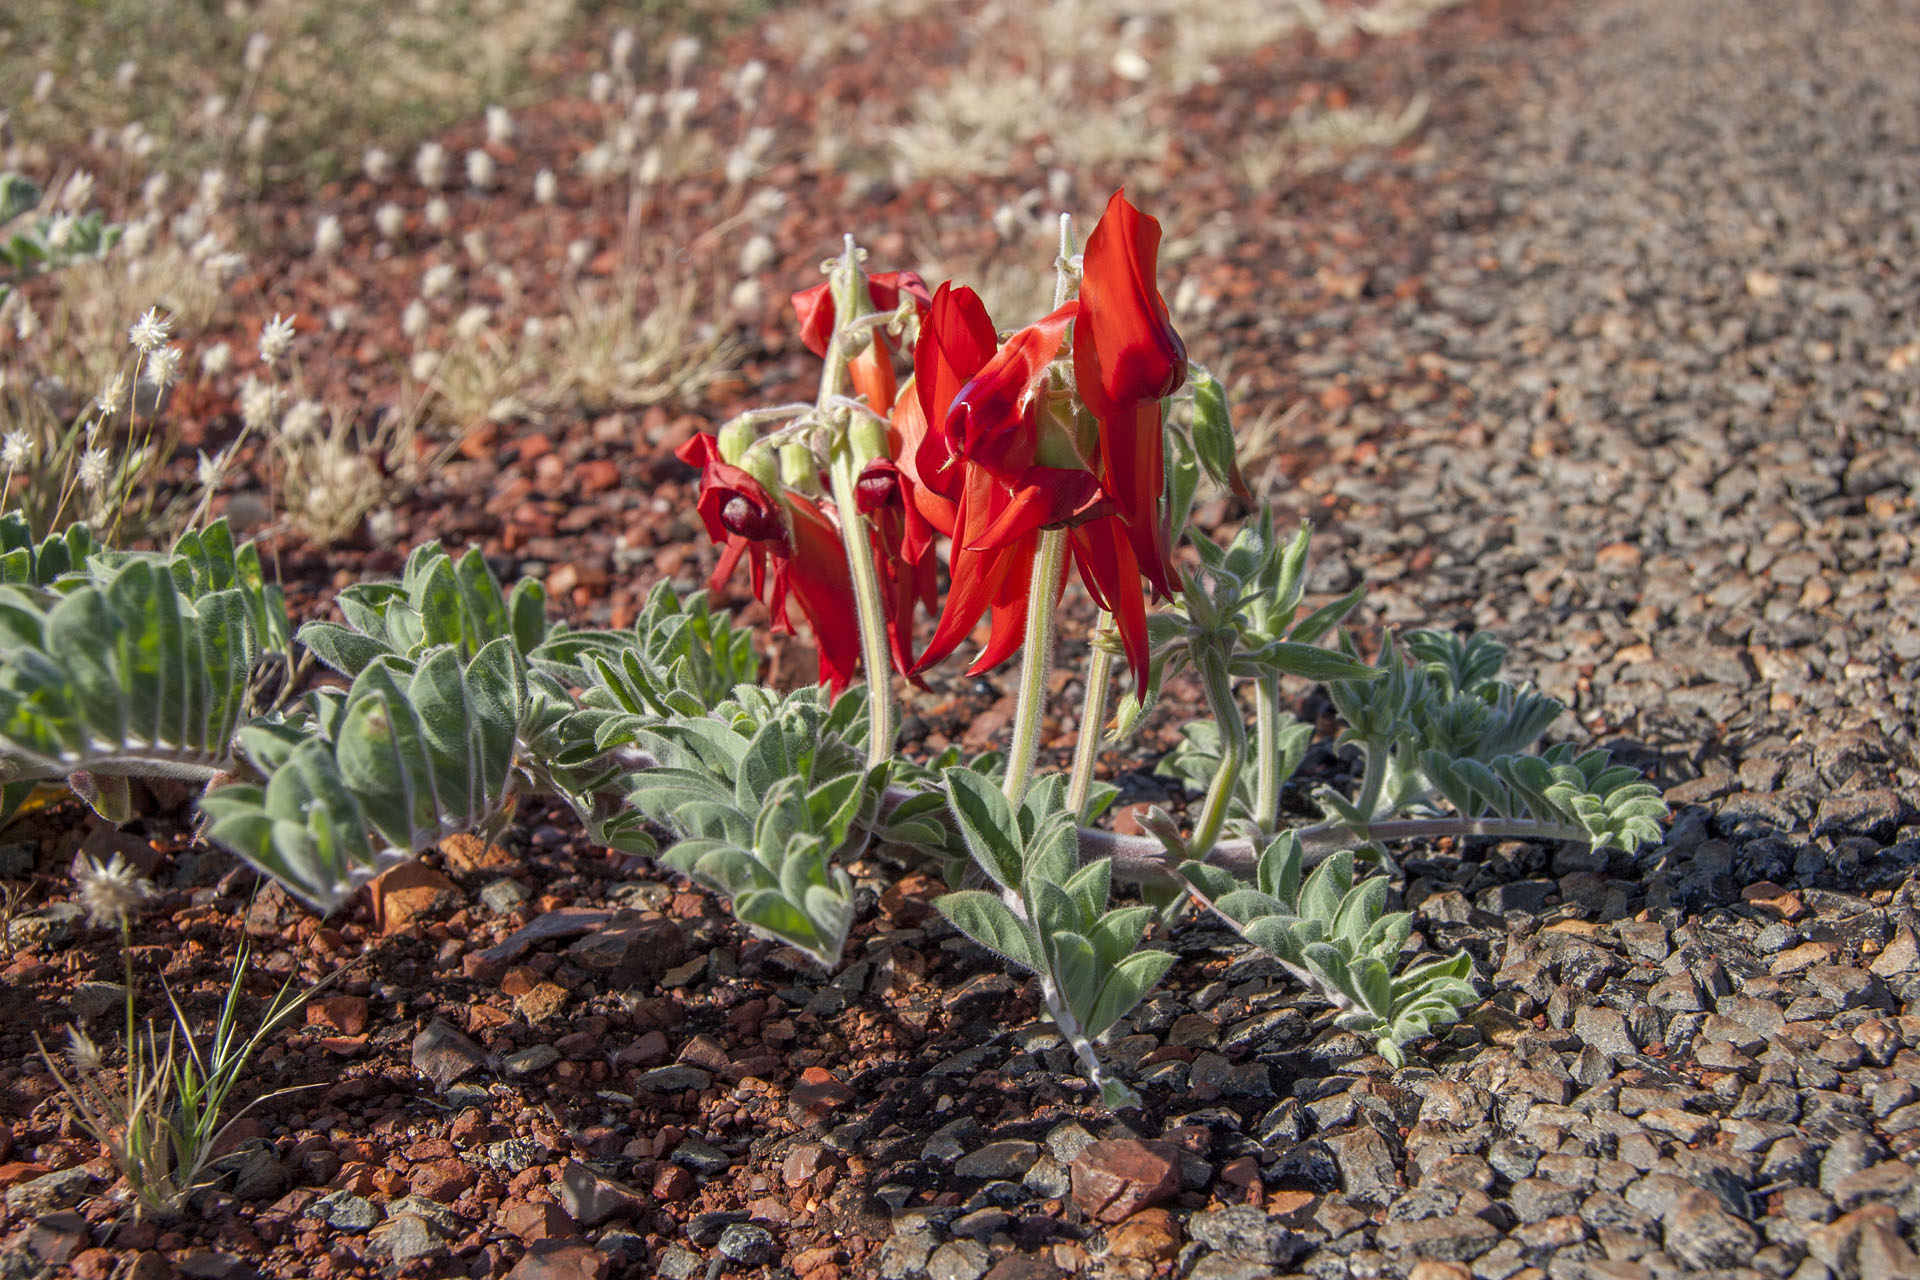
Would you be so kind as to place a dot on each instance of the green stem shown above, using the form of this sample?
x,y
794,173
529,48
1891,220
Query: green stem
x,y
1266,727
1049,563
1093,713
1210,664
867,600
849,298
1371,782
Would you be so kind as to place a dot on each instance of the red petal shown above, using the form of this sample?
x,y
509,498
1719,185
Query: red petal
x,y
1125,347
956,342
1112,577
820,581
814,306
990,418
1044,496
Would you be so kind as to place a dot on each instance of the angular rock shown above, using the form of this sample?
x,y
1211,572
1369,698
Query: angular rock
x,y
442,1054
1115,1179
1247,1232
591,1198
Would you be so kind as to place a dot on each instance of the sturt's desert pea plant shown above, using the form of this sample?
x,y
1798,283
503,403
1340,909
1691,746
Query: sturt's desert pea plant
x,y
1072,446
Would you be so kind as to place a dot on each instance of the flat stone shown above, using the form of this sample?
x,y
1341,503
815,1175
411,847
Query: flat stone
x,y
1703,1235
61,1189
1008,1159
1369,1169
1605,1029
673,1079
442,1054
559,1260
1248,1232
1456,1238
531,1060
591,1198
344,1211
1152,1235
402,1238
1114,1180
958,1260
748,1245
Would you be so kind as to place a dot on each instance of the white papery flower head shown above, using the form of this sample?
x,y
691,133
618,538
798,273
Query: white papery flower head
x,y
438,279
94,466
112,395
259,44
210,471
163,366
620,49
77,191
499,126
303,419
149,331
437,214
680,56
389,220
747,84
82,1052
480,170
413,321
600,88
259,129
377,164
276,338
546,187
110,892
259,402
328,239
430,165
216,359
16,450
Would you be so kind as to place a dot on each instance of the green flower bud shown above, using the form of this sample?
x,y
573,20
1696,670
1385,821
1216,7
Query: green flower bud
x,y
760,463
736,438
869,439
799,469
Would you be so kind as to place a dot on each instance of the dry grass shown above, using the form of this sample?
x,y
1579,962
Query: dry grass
x,y
1105,70
182,73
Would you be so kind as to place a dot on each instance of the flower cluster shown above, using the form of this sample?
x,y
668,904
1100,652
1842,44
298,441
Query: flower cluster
x,y
991,444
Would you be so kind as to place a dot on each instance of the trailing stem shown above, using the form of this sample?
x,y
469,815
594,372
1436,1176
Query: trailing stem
x,y
1037,659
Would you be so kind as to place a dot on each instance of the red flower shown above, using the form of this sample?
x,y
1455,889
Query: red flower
x,y
794,538
871,370
1126,356
1025,469
956,341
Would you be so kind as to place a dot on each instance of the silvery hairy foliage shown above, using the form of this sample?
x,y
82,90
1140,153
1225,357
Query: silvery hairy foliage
x,y
1050,915
1334,935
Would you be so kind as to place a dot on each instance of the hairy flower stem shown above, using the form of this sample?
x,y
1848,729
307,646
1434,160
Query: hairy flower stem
x,y
881,725
1266,728
1049,563
1043,592
1093,712
1210,663
849,295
